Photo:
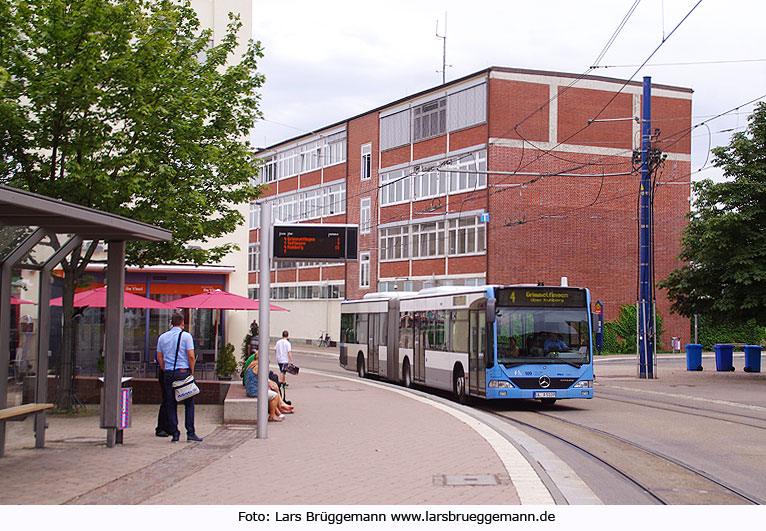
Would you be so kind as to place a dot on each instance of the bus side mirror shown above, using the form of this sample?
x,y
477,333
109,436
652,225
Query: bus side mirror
x,y
491,304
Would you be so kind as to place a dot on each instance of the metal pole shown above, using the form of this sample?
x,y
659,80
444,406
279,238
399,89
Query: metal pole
x,y
115,299
264,285
696,342
645,291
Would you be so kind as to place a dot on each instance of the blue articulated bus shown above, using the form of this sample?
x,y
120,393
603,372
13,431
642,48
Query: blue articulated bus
x,y
493,342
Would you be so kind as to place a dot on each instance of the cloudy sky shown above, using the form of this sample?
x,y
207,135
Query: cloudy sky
x,y
327,61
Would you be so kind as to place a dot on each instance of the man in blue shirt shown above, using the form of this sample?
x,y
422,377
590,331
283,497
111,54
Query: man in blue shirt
x,y
175,355
554,343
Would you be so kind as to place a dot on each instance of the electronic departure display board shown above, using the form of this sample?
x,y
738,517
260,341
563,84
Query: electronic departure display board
x,y
316,242
541,296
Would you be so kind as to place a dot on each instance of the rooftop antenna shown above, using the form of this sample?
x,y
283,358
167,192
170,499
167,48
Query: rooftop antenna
x,y
444,49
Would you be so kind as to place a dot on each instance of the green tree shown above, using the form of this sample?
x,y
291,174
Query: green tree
x,y
125,106
724,244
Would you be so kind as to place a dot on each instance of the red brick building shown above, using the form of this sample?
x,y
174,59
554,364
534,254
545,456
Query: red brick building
x,y
504,176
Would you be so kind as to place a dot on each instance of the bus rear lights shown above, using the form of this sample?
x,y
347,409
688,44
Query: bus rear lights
x,y
494,384
583,383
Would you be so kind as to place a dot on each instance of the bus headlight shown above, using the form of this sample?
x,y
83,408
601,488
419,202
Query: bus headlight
x,y
500,384
583,383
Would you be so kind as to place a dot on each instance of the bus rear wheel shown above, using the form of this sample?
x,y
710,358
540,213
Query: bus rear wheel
x,y
360,369
458,385
406,374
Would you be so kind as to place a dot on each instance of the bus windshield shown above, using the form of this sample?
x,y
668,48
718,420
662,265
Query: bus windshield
x,y
537,335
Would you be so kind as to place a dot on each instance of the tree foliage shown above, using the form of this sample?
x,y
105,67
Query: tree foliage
x,y
126,106
724,243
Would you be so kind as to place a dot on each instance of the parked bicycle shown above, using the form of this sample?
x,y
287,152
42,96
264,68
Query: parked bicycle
x,y
324,340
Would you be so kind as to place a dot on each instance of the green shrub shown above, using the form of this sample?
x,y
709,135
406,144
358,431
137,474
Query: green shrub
x,y
711,333
226,364
620,335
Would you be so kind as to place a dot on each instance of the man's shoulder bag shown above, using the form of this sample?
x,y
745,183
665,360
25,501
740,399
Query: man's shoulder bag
x,y
187,387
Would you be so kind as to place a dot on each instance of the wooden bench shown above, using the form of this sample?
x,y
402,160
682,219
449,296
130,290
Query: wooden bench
x,y
22,411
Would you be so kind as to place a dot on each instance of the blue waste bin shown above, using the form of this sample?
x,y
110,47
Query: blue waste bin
x,y
752,358
724,355
693,357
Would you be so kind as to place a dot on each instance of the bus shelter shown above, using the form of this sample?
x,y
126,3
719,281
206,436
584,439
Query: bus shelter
x,y
26,220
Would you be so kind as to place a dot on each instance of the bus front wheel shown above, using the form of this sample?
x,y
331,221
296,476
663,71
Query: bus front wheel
x,y
458,384
360,370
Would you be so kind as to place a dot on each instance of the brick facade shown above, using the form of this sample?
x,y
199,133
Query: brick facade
x,y
563,202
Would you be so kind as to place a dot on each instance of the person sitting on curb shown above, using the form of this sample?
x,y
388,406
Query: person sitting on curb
x,y
277,408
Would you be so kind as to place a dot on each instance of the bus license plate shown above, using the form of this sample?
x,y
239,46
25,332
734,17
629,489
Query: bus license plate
x,y
545,394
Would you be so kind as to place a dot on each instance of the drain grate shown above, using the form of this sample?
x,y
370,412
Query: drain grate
x,y
468,480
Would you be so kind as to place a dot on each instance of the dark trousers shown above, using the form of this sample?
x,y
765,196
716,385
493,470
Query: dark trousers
x,y
170,400
163,424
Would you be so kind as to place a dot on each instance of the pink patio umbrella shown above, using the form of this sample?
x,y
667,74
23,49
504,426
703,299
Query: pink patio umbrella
x,y
96,298
14,300
222,300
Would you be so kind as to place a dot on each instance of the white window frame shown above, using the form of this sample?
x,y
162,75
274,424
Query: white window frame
x,y
254,257
429,120
394,243
460,182
366,162
364,270
395,187
365,215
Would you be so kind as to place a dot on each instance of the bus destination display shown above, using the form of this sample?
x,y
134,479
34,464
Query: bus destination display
x,y
541,296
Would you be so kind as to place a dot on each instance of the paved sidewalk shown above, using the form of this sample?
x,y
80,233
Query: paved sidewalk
x,y
349,442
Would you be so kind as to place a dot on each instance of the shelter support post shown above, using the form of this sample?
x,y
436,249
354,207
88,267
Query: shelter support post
x,y
6,272
115,291
44,326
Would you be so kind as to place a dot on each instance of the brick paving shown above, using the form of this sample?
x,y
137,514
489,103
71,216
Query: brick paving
x,y
347,443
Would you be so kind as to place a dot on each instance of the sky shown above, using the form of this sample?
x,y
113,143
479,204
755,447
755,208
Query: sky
x,y
328,61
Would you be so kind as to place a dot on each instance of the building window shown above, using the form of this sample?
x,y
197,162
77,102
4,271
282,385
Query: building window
x,y
366,162
394,243
428,240
253,257
335,200
431,184
429,120
467,236
395,187
365,215
464,181
468,107
334,150
395,130
364,270
268,170
255,216
311,204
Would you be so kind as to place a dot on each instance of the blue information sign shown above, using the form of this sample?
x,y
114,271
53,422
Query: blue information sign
x,y
599,310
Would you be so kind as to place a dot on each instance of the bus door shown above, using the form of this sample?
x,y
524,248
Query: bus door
x,y
477,361
419,347
373,340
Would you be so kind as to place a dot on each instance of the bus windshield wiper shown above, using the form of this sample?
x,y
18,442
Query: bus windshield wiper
x,y
572,363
